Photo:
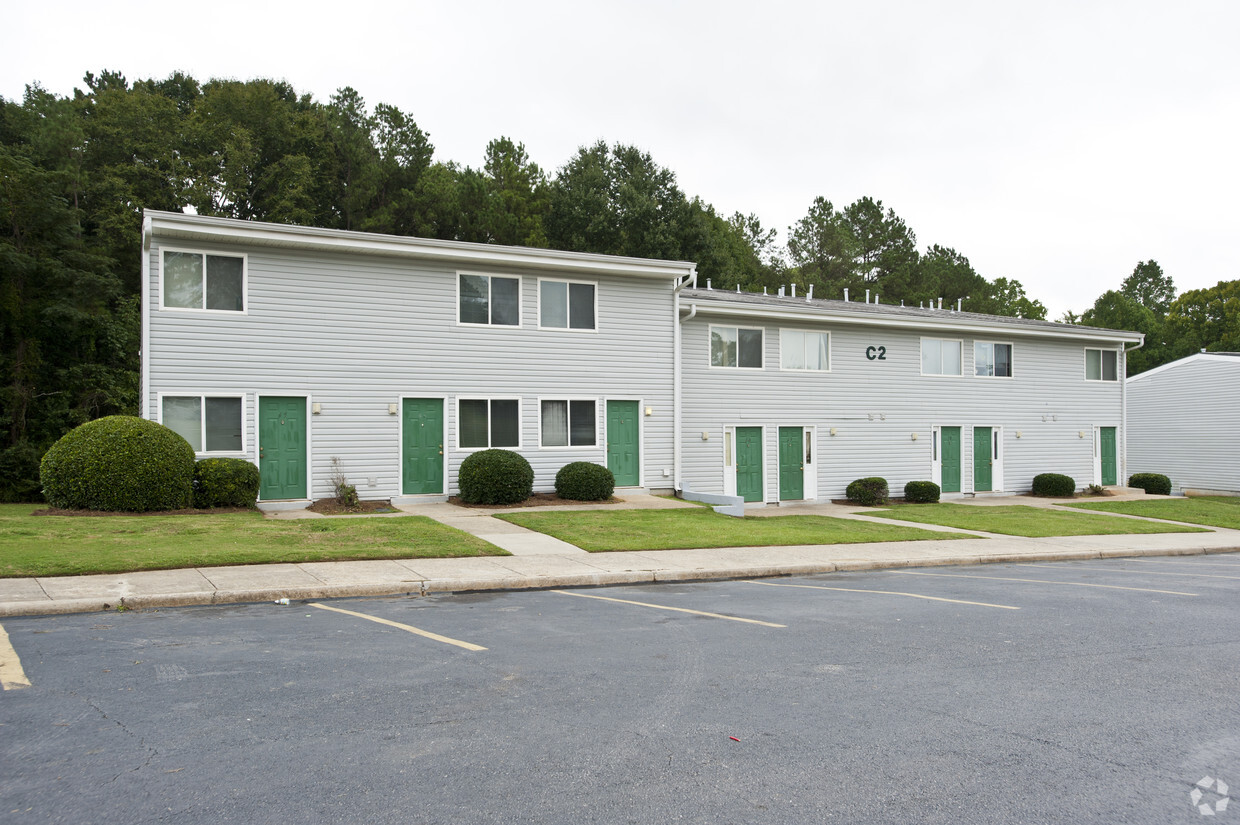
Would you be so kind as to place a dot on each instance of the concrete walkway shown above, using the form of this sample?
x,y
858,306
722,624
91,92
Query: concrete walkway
x,y
541,561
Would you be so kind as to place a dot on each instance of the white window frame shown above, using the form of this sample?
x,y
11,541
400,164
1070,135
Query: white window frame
x,y
490,313
808,332
488,398
202,419
921,361
1101,368
570,446
245,281
568,305
992,344
761,351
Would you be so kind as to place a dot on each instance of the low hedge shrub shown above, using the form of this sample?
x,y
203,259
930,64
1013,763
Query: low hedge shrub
x,y
584,481
869,492
119,463
495,477
1155,483
1053,484
921,492
225,482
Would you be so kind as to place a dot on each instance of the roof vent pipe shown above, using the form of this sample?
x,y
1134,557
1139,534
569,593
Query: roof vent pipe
x,y
794,290
738,287
940,300
867,296
959,303
708,283
809,296
876,297
763,290
845,293
781,290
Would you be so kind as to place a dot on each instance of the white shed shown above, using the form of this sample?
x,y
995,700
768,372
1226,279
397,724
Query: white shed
x,y
1184,422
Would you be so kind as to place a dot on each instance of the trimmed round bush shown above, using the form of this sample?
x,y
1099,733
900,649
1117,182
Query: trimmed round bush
x,y
225,482
870,492
120,462
584,481
1053,484
921,492
1154,483
495,477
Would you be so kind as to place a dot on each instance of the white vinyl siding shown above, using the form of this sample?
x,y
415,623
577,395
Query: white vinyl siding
x,y
1100,365
940,356
489,300
566,304
196,280
736,347
210,423
569,423
804,350
992,360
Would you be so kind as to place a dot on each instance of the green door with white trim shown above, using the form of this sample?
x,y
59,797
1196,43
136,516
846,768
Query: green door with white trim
x,y
749,463
282,448
983,460
949,445
791,463
1106,441
623,443
421,452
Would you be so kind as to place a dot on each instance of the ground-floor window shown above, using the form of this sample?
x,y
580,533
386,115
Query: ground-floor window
x,y
569,423
488,422
210,423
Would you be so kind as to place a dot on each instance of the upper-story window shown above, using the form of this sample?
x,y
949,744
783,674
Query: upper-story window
x,y
198,280
940,356
803,350
736,347
566,304
1101,365
992,360
490,299
210,423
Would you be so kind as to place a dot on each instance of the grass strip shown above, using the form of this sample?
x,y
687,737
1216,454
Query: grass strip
x,y
1023,520
78,545
1216,511
601,531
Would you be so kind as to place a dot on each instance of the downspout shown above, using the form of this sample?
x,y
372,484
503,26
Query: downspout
x,y
1123,413
144,354
677,403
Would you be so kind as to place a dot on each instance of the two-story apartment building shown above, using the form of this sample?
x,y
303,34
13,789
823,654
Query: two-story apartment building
x,y
390,359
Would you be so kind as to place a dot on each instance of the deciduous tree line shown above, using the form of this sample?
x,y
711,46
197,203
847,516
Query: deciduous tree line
x,y
77,171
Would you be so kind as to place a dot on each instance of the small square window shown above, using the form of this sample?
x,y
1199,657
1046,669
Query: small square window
x,y
489,299
1101,365
569,424
566,305
210,423
738,347
992,360
801,350
484,423
195,280
940,356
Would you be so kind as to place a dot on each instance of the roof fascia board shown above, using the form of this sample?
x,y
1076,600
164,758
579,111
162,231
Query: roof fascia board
x,y
1188,359
227,230
947,324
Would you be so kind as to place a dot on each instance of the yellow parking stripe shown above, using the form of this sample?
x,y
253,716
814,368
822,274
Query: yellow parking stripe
x,y
665,607
12,677
425,633
1042,581
1145,572
887,593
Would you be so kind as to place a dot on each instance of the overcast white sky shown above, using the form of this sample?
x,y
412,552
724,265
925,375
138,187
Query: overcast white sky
x,y
1057,143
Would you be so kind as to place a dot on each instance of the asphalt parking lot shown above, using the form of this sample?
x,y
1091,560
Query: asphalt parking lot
x,y
1099,691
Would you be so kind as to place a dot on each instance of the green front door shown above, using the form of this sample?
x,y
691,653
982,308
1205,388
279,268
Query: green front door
x,y
749,463
623,457
421,452
791,463
1107,443
950,459
282,448
982,460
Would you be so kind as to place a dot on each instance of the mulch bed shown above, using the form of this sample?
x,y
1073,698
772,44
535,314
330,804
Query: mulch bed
x,y
536,500
332,507
56,511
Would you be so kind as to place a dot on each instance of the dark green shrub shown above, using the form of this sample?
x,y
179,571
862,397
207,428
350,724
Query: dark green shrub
x,y
119,463
495,477
921,492
583,481
19,473
1053,484
1153,483
868,491
225,482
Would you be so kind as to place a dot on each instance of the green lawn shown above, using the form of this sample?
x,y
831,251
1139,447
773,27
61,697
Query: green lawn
x,y
603,530
1023,520
73,545
1216,511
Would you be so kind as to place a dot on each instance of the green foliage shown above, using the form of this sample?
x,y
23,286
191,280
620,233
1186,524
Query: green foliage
x,y
1053,484
1118,310
225,482
19,473
1205,319
1149,287
495,477
871,491
1152,483
921,492
119,463
583,481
